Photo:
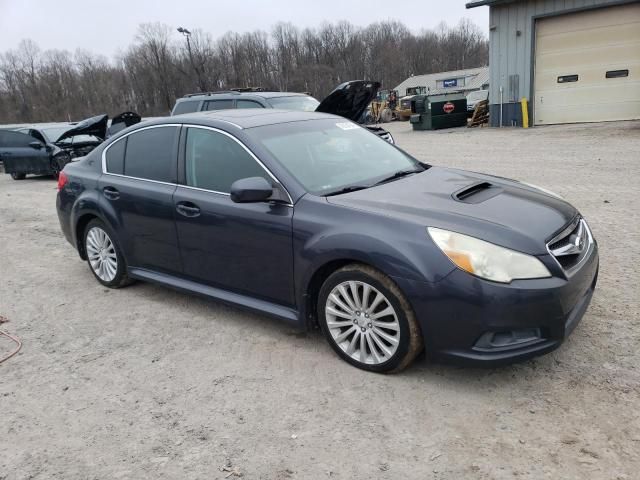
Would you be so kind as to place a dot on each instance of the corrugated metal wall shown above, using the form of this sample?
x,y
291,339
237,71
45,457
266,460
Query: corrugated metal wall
x,y
510,54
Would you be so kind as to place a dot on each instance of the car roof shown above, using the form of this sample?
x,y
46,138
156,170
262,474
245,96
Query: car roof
x,y
245,118
232,94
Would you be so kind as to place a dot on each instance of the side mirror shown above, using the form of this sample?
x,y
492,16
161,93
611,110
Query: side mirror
x,y
37,145
251,190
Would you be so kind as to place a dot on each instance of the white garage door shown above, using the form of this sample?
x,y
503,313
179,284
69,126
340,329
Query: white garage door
x,y
587,66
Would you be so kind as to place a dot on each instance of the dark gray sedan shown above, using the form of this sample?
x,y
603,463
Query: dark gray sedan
x,y
310,218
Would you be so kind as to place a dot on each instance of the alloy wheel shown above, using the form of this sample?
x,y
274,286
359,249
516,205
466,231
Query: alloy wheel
x,y
362,322
101,254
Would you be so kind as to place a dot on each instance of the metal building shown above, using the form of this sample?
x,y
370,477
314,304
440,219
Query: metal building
x,y
574,60
444,82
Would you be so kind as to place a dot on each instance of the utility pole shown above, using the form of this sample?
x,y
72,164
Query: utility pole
x,y
187,35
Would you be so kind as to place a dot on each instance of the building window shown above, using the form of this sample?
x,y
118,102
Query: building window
x,y
617,73
568,79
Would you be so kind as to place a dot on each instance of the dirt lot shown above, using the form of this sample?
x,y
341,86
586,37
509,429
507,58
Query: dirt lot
x,y
145,382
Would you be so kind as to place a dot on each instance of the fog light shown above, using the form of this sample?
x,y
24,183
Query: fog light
x,y
508,339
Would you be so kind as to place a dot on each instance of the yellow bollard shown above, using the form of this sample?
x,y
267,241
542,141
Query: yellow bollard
x,y
525,113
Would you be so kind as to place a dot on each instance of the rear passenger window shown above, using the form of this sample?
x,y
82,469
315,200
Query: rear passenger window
x,y
214,161
115,157
150,154
218,105
185,107
247,104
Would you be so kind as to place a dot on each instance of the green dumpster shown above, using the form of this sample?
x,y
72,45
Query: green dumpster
x,y
432,112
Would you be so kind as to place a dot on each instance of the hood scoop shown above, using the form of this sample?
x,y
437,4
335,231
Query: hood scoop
x,y
477,192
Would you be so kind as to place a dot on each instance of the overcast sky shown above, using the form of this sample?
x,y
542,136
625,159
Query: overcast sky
x,y
69,24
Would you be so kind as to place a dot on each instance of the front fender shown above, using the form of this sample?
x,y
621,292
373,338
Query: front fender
x,y
325,233
325,248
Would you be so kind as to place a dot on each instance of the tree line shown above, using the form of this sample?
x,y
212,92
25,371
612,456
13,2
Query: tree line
x,y
56,85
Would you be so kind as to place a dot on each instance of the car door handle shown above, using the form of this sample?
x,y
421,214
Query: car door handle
x,y
111,193
188,209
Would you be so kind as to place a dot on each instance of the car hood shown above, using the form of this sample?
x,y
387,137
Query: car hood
x,y
502,211
350,99
96,126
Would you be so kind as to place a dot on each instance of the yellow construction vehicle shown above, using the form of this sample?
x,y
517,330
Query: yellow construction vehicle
x,y
403,112
383,108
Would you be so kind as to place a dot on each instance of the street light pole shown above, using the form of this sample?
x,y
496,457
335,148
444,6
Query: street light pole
x,y
187,35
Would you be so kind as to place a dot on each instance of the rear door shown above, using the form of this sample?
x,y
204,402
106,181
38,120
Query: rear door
x,y
19,156
244,247
137,195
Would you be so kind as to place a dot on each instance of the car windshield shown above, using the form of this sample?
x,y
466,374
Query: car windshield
x,y
53,133
327,156
302,103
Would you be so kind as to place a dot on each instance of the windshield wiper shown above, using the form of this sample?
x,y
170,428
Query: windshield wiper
x,y
350,188
398,174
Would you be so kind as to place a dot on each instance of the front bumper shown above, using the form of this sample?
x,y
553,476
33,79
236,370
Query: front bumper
x,y
457,314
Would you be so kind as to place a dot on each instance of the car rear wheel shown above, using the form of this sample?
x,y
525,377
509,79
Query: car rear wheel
x,y
18,176
367,320
104,255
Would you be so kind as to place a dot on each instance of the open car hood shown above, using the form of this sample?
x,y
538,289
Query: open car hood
x,y
122,121
350,99
96,126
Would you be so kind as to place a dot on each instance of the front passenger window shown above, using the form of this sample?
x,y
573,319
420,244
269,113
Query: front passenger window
x,y
214,161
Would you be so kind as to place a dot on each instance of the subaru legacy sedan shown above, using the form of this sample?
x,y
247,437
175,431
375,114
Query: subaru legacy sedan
x,y
310,218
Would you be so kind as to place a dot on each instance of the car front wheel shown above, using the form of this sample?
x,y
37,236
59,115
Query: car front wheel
x,y
18,176
367,320
104,256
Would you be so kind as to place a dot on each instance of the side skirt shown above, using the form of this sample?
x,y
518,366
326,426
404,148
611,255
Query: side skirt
x,y
289,315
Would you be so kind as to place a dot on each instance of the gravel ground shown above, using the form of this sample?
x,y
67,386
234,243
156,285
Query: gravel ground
x,y
145,382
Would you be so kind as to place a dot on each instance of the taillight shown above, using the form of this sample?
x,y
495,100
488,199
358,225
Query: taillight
x,y
62,180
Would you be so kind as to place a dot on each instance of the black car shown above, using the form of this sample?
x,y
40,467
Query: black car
x,y
349,100
46,149
312,219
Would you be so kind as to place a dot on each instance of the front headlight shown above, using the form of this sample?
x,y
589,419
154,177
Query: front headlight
x,y
485,259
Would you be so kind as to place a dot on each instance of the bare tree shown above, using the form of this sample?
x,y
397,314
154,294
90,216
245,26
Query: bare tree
x,y
157,67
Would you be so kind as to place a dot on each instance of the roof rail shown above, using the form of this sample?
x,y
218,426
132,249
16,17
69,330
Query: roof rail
x,y
219,92
248,89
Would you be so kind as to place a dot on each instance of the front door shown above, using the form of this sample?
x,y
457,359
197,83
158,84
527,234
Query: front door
x,y
23,154
244,247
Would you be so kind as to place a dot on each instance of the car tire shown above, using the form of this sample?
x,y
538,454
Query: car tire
x,y
18,176
377,334
104,255
386,116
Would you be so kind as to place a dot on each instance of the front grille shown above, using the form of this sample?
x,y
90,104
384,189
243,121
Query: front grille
x,y
572,245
